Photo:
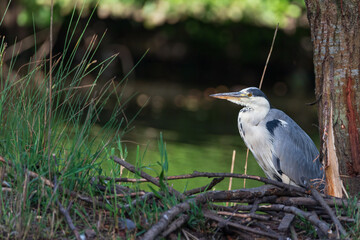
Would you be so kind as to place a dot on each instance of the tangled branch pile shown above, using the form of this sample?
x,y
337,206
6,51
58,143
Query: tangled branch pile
x,y
273,211
269,212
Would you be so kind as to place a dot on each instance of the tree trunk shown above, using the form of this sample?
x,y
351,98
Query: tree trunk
x,y
335,34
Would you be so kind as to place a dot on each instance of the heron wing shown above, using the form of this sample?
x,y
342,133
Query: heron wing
x,y
295,154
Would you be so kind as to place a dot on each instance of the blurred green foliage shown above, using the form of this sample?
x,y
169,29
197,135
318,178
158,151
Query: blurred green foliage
x,y
153,13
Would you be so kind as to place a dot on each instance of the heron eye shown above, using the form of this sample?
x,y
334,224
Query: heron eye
x,y
249,94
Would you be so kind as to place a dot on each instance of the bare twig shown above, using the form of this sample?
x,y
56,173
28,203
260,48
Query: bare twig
x,y
176,224
268,57
232,169
121,195
245,167
209,186
166,219
245,215
68,219
213,196
315,102
294,210
305,201
144,198
149,178
320,199
210,215
31,173
286,222
207,174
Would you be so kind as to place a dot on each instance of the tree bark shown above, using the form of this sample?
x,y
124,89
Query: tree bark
x,y
335,34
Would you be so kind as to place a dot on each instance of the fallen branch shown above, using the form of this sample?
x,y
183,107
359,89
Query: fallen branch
x,y
217,175
306,201
144,198
245,215
149,178
320,199
30,173
176,224
166,219
209,186
210,215
307,215
212,196
65,212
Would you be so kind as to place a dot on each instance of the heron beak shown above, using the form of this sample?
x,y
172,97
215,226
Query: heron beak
x,y
229,96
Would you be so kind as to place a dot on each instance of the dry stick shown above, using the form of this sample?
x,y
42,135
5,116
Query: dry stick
x,y
52,185
331,201
231,171
151,179
246,163
48,183
232,168
258,178
68,219
268,57
144,198
213,216
166,219
121,195
31,173
288,209
207,174
322,202
176,224
245,215
169,215
294,210
65,211
209,186
293,233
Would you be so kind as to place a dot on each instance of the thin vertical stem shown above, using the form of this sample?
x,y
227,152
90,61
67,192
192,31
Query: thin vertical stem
x,y
245,168
232,171
50,85
268,57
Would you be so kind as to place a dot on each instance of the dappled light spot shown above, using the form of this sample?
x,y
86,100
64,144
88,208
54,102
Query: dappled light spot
x,y
142,100
103,12
208,92
222,88
151,133
192,103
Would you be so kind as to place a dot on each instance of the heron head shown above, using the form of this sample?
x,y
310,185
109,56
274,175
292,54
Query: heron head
x,y
251,97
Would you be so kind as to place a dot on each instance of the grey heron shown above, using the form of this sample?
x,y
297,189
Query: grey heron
x,y
282,149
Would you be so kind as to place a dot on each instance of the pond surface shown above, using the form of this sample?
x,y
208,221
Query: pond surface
x,y
200,133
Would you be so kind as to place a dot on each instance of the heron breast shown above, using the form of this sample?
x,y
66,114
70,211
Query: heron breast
x,y
259,141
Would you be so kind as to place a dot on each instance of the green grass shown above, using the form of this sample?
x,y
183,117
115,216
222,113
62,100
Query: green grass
x,y
53,136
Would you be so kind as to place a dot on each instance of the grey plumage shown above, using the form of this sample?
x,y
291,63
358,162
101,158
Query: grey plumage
x,y
282,149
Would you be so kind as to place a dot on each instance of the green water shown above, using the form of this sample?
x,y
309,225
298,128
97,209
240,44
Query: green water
x,y
214,155
200,136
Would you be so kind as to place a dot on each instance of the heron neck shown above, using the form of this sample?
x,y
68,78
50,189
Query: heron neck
x,y
253,115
